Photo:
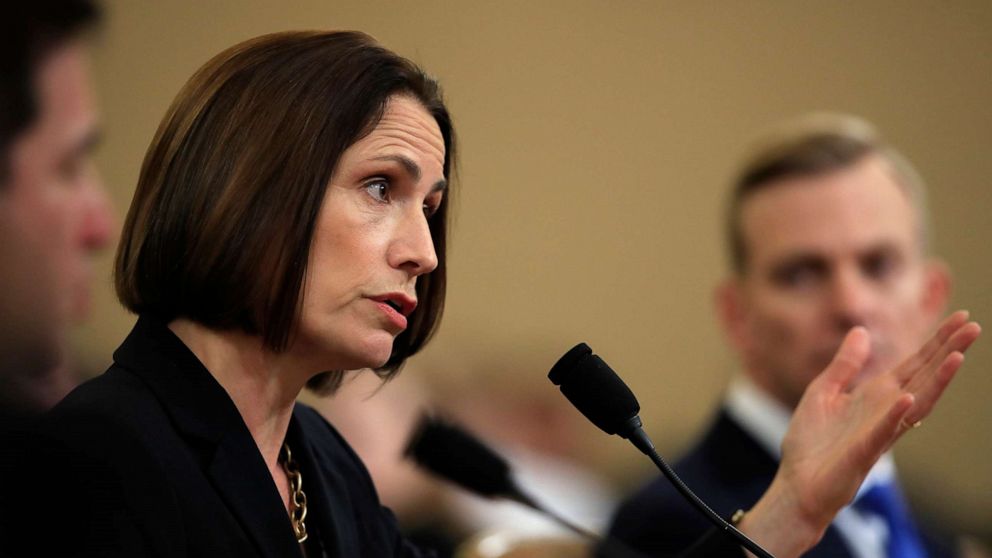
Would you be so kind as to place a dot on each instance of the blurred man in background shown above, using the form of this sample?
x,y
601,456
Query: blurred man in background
x,y
53,210
826,229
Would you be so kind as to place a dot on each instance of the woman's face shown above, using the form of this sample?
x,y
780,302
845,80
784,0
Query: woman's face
x,y
372,241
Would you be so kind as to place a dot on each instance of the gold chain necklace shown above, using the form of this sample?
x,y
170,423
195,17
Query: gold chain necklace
x,y
297,499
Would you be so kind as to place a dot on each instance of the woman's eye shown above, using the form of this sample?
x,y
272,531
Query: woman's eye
x,y
430,209
432,204
379,190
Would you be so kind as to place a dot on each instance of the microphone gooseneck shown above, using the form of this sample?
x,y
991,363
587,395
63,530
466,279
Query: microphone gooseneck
x,y
599,394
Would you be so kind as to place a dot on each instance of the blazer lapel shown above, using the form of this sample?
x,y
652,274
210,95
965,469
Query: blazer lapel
x,y
208,420
242,479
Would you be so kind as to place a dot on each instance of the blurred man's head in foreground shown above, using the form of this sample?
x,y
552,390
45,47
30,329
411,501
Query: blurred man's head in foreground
x,y
53,209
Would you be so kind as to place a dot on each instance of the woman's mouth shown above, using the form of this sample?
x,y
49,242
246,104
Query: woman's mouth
x,y
393,314
396,307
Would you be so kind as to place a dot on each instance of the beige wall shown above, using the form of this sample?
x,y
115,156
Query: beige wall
x,y
596,139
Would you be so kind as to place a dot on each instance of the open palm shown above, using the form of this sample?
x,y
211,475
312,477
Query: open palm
x,y
840,428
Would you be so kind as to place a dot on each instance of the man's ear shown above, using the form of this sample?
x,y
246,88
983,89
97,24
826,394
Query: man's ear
x,y
936,289
731,309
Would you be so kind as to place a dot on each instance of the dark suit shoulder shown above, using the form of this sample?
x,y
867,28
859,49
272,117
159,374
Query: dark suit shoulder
x,y
97,450
115,419
114,396
725,468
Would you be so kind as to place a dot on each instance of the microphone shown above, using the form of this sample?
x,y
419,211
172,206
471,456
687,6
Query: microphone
x,y
453,454
599,394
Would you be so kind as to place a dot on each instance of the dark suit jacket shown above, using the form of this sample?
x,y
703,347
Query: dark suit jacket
x,y
728,470
153,459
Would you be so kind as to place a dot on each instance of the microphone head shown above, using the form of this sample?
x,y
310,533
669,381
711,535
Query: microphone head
x,y
595,390
453,454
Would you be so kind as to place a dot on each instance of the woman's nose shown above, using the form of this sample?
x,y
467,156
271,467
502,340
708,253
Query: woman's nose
x,y
413,249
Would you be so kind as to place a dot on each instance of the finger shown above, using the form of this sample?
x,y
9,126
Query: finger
x,y
959,342
926,353
964,337
887,431
934,350
928,395
849,360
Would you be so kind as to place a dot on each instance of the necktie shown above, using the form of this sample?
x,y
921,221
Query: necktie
x,y
886,501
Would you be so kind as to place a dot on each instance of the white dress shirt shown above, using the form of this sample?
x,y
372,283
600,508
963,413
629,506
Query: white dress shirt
x,y
767,420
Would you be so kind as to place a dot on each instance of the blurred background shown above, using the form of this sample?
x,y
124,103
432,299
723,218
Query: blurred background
x,y
596,142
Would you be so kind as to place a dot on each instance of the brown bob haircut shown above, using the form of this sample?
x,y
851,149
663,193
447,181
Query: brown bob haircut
x,y
815,145
223,216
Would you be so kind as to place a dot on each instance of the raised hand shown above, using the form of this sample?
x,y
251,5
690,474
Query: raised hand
x,y
841,427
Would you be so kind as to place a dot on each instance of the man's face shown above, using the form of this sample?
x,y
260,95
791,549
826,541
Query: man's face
x,y
53,216
824,254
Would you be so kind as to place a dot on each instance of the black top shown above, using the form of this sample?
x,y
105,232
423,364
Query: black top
x,y
153,459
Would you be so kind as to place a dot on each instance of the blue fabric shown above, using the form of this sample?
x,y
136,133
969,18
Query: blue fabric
x,y
887,502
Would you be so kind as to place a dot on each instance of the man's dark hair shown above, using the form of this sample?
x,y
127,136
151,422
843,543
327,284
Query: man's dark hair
x,y
223,217
30,31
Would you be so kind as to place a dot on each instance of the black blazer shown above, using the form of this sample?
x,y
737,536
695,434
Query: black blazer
x,y
153,459
728,470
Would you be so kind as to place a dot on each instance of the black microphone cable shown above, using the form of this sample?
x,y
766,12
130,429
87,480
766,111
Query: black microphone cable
x,y
599,394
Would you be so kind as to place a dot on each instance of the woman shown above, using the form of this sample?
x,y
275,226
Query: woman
x,y
289,224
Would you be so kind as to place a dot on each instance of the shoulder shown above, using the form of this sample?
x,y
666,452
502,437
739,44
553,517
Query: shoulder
x,y
704,468
116,392
111,434
115,399
656,518
96,452
111,414
940,543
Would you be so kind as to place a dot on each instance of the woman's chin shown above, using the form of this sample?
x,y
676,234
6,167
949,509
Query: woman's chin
x,y
372,351
372,356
